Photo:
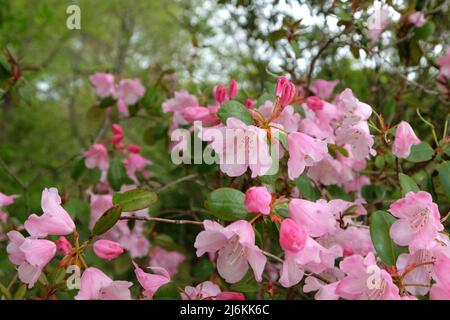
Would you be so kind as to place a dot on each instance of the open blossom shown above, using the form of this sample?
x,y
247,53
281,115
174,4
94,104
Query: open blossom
x,y
288,118
31,255
236,249
441,289
419,221
97,157
316,217
325,291
151,282
204,291
257,200
107,249
239,147
323,88
365,280
304,151
207,115
63,245
169,260
135,163
129,91
377,22
417,18
7,200
104,83
405,138
180,101
358,137
55,220
444,64
352,110
95,285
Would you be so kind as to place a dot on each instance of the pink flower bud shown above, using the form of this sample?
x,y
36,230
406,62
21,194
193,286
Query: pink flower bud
x,y
63,246
292,236
106,249
257,200
314,103
288,94
220,94
280,86
117,138
249,103
116,129
134,148
230,296
233,89
405,138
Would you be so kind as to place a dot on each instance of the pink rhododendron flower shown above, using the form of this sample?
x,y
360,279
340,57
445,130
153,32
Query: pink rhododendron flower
x,y
352,110
292,236
257,200
314,103
239,147
151,282
417,18
31,255
365,280
107,249
169,260
324,291
63,246
288,119
104,83
208,115
359,139
7,200
236,249
180,101
97,157
441,289
95,285
444,63
323,88
316,217
129,91
304,151
135,163
204,291
418,224
377,22
55,220
122,107
405,138
230,296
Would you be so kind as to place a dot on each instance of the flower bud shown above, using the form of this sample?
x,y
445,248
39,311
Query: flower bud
x,y
314,103
220,94
134,148
108,250
233,89
292,236
249,103
63,246
116,129
257,200
230,296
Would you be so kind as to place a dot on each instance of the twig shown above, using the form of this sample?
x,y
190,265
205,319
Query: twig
x,y
171,184
162,220
21,184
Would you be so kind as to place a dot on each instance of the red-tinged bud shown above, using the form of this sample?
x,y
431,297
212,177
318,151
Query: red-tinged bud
x,y
134,148
233,89
249,103
220,94
314,103
117,129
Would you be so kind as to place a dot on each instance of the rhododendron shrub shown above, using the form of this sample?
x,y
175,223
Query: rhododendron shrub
x,y
298,187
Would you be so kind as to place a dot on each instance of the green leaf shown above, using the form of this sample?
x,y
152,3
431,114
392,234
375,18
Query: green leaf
x,y
5,292
421,152
78,169
425,31
107,220
372,192
117,174
165,241
77,208
168,291
387,250
227,204
134,200
307,190
107,102
407,184
236,110
20,293
338,193
265,97
444,178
